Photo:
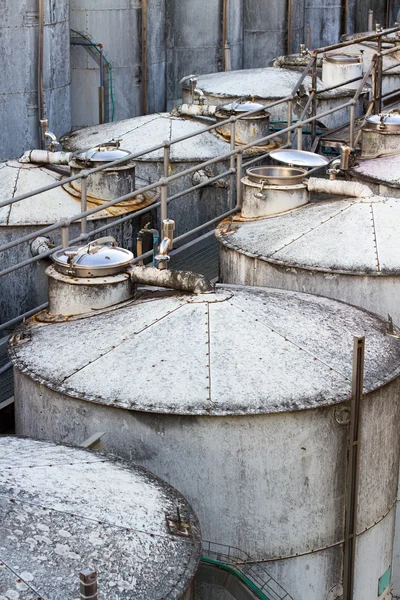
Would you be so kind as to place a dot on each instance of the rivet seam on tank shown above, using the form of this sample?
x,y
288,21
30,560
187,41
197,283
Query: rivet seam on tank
x,y
208,358
374,234
20,579
103,522
267,326
125,339
312,228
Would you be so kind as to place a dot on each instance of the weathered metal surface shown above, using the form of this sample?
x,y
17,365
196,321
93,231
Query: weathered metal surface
x,y
19,120
197,377
384,170
63,510
194,43
375,144
264,200
324,18
287,469
76,295
340,236
268,85
118,28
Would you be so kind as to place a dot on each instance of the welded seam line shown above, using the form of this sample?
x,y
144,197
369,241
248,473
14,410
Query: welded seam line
x,y
208,352
267,326
131,337
310,230
18,576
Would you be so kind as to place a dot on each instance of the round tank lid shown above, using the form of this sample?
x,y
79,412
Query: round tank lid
x,y
240,106
66,510
299,158
98,256
344,58
103,153
241,350
386,120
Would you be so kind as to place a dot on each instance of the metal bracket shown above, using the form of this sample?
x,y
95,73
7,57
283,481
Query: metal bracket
x,y
178,526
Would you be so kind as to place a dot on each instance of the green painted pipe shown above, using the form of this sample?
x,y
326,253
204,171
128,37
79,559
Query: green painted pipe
x,y
224,567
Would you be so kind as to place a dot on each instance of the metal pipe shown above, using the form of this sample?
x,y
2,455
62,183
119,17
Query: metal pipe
x,y
232,164
378,79
184,281
300,137
289,26
289,121
144,55
239,189
314,99
88,585
65,236
364,38
225,45
370,20
353,469
84,202
40,72
10,324
164,202
352,125
308,37
345,16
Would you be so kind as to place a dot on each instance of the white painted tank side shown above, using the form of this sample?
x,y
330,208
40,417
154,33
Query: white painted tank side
x,y
272,485
376,294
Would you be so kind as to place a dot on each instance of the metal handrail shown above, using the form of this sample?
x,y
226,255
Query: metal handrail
x,y
234,155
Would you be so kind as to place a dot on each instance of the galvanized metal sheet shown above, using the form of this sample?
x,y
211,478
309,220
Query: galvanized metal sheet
x,y
87,511
341,236
345,242
380,170
256,351
141,133
14,585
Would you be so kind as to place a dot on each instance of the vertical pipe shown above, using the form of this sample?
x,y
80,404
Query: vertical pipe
x,y
239,195
290,27
40,72
308,37
289,121
101,87
300,138
370,20
88,584
65,236
345,17
84,201
164,187
232,164
144,55
378,79
353,469
352,125
314,99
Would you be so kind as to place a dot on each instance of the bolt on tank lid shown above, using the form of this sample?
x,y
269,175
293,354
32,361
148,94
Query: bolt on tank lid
x,y
99,258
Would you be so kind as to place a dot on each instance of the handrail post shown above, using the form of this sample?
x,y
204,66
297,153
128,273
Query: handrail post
x,y
239,194
84,201
378,79
65,236
232,163
164,185
300,137
290,121
314,99
88,584
352,125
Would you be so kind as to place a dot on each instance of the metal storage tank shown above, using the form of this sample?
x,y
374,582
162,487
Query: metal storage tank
x,y
381,174
26,288
194,44
118,30
269,85
343,248
325,18
251,386
68,514
141,133
270,28
19,39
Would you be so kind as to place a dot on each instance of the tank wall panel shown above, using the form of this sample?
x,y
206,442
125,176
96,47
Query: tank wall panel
x,y
324,17
156,56
283,474
265,32
377,294
119,31
19,121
